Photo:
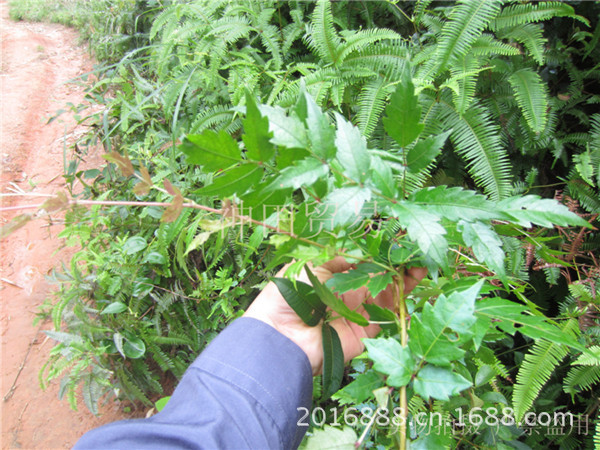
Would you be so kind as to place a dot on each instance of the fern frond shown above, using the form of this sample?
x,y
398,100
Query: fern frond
x,y
466,23
522,13
530,36
321,35
531,97
581,378
487,45
371,102
536,370
463,80
355,41
476,140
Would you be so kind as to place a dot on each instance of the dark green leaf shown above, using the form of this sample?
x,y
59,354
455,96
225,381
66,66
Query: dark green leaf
x,y
439,383
455,311
360,389
403,113
379,282
256,133
212,150
335,303
235,181
390,358
425,151
302,299
333,361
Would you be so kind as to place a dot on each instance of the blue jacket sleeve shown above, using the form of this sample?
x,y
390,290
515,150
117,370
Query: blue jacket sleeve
x,y
243,391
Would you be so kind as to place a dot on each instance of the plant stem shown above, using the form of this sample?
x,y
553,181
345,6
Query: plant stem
x,y
401,312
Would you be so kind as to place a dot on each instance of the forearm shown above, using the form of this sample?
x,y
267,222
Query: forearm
x,y
243,391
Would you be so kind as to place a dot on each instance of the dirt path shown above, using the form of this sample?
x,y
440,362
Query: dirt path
x,y
37,59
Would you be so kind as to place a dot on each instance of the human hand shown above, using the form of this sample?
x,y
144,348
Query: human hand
x,y
271,308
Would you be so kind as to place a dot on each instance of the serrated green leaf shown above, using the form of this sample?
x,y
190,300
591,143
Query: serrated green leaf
x,y
235,181
330,438
428,342
455,311
403,113
261,203
425,151
486,245
321,133
353,279
333,361
212,150
540,211
343,206
382,177
423,228
439,383
379,282
114,308
302,299
302,173
360,389
390,358
352,150
335,303
455,203
256,133
288,131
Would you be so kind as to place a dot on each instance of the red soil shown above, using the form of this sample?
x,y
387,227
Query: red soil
x,y
37,61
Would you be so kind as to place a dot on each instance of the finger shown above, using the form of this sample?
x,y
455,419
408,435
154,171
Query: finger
x,y
336,265
412,277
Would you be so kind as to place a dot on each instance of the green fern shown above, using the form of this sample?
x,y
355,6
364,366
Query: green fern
x,y
464,26
519,14
531,97
536,370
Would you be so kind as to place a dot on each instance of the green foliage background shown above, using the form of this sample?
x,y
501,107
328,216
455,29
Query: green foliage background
x,y
471,116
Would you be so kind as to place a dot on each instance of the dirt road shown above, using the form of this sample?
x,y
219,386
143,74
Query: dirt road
x,y
37,60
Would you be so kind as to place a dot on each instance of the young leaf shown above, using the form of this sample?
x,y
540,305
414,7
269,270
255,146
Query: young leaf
x,y
425,151
390,358
256,133
114,308
333,361
302,299
121,161
351,150
335,303
439,383
212,150
403,113
455,311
